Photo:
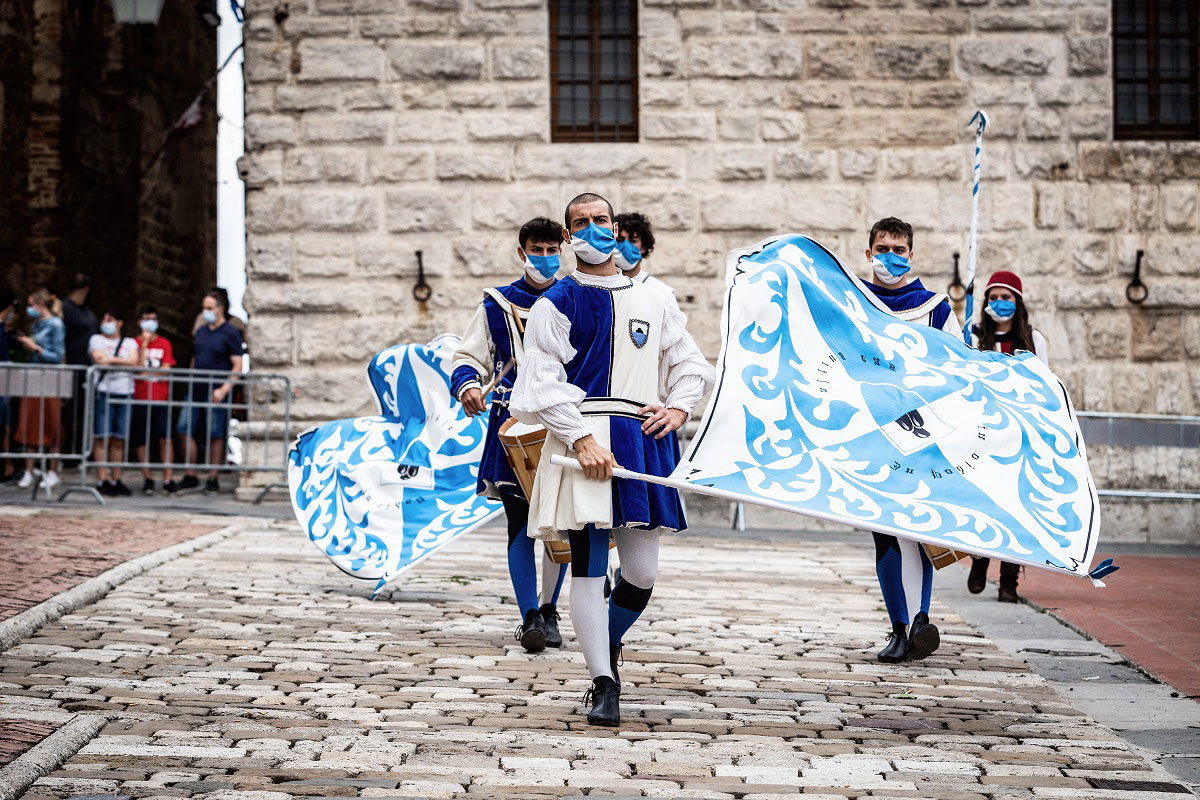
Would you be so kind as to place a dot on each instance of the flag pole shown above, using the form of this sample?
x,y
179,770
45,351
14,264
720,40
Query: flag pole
x,y
1105,568
980,120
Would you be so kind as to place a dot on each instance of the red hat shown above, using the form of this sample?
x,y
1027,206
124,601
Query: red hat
x,y
1008,280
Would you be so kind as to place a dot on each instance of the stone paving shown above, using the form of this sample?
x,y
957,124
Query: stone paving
x,y
253,669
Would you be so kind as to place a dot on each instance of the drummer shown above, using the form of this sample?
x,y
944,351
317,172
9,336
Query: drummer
x,y
593,350
493,338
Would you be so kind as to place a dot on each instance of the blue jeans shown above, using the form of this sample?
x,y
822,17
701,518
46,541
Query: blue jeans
x,y
112,416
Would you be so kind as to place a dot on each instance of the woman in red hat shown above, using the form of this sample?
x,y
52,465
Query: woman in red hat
x,y
1004,326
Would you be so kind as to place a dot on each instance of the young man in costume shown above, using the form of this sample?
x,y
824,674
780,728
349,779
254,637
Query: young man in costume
x,y
904,569
635,243
493,337
1004,326
593,350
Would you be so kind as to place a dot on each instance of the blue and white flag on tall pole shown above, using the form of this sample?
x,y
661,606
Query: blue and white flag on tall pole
x,y
379,494
828,405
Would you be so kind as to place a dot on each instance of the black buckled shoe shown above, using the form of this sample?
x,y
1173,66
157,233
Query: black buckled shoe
x,y
550,618
615,660
897,646
532,632
923,637
605,699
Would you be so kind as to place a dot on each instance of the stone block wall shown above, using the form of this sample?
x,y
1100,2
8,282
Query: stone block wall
x,y
376,128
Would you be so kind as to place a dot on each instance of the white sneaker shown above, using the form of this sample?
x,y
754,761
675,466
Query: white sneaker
x,y
26,480
51,480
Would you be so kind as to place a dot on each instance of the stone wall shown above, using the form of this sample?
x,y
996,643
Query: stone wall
x,y
376,128
86,103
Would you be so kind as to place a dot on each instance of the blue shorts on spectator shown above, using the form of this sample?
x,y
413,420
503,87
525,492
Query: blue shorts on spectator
x,y
111,419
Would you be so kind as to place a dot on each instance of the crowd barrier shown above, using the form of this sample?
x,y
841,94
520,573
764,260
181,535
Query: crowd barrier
x,y
168,421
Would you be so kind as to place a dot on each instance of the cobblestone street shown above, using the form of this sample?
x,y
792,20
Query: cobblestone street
x,y
253,669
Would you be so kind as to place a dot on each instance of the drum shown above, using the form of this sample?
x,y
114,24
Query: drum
x,y
941,557
523,446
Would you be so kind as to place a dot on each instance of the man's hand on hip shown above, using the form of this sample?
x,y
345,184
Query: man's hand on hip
x,y
662,420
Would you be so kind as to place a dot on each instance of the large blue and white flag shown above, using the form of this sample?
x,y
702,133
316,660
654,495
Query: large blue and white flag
x,y
379,494
828,405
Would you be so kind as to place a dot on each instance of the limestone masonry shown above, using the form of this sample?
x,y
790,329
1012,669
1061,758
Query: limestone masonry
x,y
376,128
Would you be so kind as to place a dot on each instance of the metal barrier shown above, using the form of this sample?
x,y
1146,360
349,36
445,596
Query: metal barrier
x,y
194,421
45,409
113,418
1143,455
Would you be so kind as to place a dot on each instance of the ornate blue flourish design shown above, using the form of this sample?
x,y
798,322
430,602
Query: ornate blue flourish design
x,y
850,413
379,494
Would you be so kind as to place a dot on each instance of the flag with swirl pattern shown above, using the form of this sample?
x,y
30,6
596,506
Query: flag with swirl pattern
x,y
828,405
379,494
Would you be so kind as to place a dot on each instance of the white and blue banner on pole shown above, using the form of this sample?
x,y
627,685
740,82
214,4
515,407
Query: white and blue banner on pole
x,y
379,494
828,405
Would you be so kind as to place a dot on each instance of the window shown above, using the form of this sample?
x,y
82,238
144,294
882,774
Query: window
x,y
593,71
1156,47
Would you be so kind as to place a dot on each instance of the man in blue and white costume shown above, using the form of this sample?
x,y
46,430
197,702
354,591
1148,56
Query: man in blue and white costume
x,y
904,569
594,348
493,338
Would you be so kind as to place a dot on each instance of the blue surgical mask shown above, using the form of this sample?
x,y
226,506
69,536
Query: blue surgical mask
x,y
209,316
593,244
1001,310
149,325
889,268
32,312
108,328
541,268
628,255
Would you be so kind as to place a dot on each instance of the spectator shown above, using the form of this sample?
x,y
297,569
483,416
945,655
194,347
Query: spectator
x,y
151,416
40,423
217,346
233,319
79,321
114,388
80,325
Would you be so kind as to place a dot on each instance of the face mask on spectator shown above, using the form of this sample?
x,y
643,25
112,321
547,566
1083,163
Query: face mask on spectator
x,y
32,312
209,316
108,328
149,325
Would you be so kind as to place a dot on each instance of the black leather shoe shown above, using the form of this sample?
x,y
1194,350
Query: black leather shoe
x,y
897,646
615,660
978,577
605,700
550,617
923,637
532,632
1008,593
